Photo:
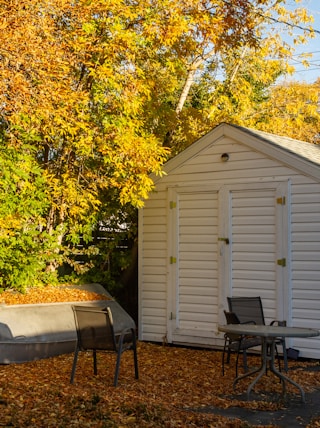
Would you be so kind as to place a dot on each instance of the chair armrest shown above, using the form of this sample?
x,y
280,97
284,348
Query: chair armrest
x,y
125,336
280,323
124,331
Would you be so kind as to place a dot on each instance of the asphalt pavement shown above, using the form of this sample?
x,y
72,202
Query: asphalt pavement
x,y
295,413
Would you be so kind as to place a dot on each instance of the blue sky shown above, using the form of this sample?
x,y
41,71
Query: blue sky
x,y
310,74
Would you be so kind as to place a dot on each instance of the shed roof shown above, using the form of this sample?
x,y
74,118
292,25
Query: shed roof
x,y
297,154
306,150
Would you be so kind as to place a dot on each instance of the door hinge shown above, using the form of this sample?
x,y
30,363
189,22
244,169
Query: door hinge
x,y
173,205
173,260
282,262
281,201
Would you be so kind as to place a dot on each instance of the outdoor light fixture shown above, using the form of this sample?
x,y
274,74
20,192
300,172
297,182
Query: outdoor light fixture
x,y
224,157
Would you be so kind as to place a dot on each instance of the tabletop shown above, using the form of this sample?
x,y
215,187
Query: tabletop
x,y
268,330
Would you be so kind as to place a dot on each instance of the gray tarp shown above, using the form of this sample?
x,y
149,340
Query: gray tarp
x,y
31,332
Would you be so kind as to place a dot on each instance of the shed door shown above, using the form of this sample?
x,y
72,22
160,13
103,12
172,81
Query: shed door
x,y
224,242
193,268
255,262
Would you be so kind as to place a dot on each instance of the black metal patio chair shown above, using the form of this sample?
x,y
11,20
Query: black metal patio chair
x,y
237,343
96,332
250,309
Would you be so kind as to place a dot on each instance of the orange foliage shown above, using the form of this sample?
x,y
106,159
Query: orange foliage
x,y
49,294
177,388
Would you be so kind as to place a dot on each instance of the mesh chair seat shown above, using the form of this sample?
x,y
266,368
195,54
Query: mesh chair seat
x,y
246,343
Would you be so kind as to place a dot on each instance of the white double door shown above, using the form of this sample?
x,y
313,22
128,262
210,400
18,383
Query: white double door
x,y
231,240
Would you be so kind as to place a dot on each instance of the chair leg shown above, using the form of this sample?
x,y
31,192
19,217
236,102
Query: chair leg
x,y
237,363
95,369
228,351
278,358
269,353
116,374
136,369
75,359
245,361
277,355
244,357
228,355
224,354
119,355
135,356
285,356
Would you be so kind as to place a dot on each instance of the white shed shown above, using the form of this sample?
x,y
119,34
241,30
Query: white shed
x,y
237,214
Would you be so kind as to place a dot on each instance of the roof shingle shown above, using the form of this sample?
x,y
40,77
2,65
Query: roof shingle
x,y
308,151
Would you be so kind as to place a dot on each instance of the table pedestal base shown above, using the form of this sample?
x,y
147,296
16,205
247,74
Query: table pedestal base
x,y
269,345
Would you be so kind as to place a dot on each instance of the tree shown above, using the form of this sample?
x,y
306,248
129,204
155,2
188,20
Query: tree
x,y
215,63
291,109
70,94
25,247
92,92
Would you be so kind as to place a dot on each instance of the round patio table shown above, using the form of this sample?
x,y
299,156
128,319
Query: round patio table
x,y
268,334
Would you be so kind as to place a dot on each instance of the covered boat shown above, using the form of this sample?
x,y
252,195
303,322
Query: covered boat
x,y
34,331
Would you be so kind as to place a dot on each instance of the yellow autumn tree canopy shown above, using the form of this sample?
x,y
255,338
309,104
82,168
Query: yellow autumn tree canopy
x,y
92,93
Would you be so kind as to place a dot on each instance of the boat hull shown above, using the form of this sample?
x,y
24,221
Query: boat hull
x,y
37,331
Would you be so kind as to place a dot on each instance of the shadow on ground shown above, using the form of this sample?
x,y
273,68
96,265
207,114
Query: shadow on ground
x,y
295,413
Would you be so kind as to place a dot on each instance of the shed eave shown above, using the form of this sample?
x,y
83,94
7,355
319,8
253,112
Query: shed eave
x,y
253,141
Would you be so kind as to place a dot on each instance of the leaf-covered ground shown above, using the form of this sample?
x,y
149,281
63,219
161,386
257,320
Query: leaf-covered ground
x,y
176,387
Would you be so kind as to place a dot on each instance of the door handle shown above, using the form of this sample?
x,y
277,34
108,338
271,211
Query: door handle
x,y
226,240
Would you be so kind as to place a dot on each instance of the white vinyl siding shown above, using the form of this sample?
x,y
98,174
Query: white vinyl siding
x,y
153,269
253,224
199,262
196,277
306,262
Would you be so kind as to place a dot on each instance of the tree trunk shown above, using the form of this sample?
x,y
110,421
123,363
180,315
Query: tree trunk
x,y
194,67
